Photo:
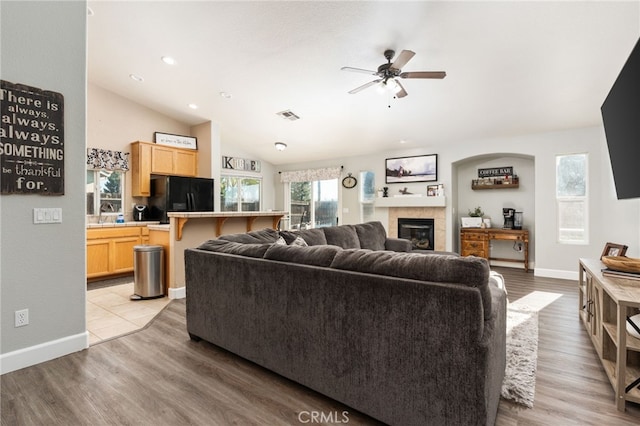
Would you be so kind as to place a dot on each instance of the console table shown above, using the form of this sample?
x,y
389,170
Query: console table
x,y
475,242
604,304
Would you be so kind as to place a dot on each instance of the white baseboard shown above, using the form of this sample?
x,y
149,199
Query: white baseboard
x,y
178,293
515,265
33,355
556,273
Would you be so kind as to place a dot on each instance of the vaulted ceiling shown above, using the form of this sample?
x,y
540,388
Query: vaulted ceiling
x,y
512,68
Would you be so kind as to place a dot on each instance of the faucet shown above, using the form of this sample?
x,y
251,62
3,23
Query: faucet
x,y
104,207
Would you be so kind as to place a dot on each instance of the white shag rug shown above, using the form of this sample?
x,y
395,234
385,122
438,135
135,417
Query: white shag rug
x,y
519,383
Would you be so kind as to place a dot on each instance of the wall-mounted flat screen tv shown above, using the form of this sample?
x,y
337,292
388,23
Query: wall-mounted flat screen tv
x,y
621,119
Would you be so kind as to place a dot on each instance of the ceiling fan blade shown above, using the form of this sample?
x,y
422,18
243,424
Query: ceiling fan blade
x,y
359,70
423,74
402,93
402,59
364,86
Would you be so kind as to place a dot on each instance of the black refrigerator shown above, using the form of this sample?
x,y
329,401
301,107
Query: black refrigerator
x,y
179,194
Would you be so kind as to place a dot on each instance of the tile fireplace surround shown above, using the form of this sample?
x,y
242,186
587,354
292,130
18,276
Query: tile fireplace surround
x,y
435,213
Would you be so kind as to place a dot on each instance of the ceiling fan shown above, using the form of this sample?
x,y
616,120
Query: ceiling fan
x,y
389,73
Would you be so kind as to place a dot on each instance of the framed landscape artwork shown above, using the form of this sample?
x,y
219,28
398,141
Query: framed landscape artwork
x,y
419,168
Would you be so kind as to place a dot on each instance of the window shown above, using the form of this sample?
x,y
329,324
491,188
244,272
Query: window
x,y
367,196
313,204
571,198
105,189
240,194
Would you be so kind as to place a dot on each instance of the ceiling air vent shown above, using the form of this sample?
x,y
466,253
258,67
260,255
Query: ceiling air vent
x,y
288,115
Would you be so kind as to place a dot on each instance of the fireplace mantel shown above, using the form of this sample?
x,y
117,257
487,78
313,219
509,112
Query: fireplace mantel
x,y
410,201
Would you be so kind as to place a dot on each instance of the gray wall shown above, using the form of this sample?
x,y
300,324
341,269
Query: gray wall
x,y
609,219
43,266
493,200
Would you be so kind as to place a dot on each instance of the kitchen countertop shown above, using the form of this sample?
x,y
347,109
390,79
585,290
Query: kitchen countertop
x,y
189,215
116,225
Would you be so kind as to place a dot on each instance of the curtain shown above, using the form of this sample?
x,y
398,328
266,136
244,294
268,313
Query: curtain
x,y
108,160
309,175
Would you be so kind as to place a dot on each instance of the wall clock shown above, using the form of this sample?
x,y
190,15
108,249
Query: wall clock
x,y
349,181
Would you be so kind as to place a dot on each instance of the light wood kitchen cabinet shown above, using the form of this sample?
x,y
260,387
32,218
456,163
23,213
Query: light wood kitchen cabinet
x,y
140,169
110,250
149,158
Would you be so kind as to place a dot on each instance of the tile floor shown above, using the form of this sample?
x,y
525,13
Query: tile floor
x,y
110,312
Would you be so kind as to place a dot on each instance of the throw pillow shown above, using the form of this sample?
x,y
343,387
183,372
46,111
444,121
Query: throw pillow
x,y
372,235
344,236
299,242
266,235
280,241
231,247
313,255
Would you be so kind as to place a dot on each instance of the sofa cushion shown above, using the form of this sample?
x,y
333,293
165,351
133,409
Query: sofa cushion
x,y
470,271
344,236
232,247
321,255
372,235
254,237
313,237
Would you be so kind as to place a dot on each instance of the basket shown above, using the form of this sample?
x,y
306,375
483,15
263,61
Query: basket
x,y
622,263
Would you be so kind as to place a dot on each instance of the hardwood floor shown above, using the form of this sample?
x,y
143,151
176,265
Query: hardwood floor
x,y
157,376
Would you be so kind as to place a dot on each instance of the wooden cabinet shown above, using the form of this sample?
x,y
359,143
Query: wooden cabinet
x,y
604,305
149,158
140,169
474,243
110,250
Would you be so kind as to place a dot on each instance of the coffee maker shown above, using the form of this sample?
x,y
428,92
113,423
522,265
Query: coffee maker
x,y
140,212
508,218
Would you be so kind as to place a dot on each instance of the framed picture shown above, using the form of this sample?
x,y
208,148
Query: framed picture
x,y
611,249
432,190
419,168
177,141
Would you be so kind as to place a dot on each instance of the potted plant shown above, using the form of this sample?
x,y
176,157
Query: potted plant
x,y
474,218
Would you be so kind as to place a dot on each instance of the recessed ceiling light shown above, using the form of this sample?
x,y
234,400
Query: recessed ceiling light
x,y
226,95
402,141
193,106
168,60
136,78
280,146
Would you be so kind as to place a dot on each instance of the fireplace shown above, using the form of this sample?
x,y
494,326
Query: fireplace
x,y
419,231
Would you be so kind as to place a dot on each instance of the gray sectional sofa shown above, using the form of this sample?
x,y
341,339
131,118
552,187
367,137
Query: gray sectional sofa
x,y
406,338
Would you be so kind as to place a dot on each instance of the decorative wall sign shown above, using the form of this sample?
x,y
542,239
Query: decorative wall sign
x,y
31,140
495,172
243,164
177,141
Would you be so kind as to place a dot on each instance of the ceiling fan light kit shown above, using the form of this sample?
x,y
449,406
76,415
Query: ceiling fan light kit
x,y
389,73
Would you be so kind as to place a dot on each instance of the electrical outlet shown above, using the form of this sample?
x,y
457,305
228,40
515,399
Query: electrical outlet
x,y
22,317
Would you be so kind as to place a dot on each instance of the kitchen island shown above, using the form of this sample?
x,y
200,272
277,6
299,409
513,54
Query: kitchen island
x,y
190,229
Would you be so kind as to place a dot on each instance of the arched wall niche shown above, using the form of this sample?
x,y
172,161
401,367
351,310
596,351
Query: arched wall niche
x,y
492,201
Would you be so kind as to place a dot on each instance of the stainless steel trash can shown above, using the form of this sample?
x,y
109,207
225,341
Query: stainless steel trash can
x,y
148,272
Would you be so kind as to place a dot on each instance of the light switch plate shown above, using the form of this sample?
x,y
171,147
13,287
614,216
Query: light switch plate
x,y
47,215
